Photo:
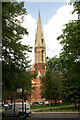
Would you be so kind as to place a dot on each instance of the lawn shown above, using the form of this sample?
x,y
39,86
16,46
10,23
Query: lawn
x,y
48,106
62,109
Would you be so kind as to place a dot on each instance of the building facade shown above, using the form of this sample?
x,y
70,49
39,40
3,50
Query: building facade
x,y
40,61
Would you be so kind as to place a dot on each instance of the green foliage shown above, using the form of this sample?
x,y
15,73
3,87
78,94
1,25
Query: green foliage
x,y
52,81
14,54
76,6
62,79
70,58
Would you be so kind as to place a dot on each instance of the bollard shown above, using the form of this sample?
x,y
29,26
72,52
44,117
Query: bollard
x,y
25,108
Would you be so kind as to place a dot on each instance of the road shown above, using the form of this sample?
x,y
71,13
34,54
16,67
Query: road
x,y
54,116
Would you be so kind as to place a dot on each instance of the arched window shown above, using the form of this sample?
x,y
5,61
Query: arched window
x,y
42,40
42,55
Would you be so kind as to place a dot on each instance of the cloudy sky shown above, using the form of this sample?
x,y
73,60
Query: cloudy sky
x,y
53,16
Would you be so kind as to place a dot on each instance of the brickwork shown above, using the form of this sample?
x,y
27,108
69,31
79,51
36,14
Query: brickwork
x,y
36,92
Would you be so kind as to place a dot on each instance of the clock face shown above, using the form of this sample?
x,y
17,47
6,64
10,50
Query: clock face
x,y
43,67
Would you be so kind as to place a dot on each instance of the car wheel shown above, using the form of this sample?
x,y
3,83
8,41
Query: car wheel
x,y
3,115
20,114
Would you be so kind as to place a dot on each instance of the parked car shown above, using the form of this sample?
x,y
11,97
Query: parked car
x,y
58,102
41,103
35,103
9,111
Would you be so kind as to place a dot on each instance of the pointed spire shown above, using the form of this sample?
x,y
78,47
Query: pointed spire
x,y
39,48
39,13
39,16
39,21
39,38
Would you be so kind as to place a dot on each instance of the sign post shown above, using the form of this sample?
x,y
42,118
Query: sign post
x,y
14,95
20,90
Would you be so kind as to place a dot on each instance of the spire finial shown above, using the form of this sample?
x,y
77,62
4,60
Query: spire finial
x,y
39,13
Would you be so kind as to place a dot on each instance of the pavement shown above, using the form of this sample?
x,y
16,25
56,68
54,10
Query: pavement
x,y
55,112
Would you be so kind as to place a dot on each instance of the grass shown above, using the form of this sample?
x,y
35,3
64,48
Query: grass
x,y
63,109
48,106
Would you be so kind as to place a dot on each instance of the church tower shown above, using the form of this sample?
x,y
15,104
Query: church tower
x,y
40,61
39,49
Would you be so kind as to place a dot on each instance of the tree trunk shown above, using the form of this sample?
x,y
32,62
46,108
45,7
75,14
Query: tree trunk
x,y
51,103
55,101
75,104
12,97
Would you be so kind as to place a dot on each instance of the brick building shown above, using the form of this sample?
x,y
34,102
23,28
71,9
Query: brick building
x,y
39,65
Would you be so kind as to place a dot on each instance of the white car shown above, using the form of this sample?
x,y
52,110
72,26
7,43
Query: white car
x,y
41,103
18,109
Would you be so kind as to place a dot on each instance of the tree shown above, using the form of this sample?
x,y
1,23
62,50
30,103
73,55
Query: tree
x,y
67,66
14,54
70,58
51,89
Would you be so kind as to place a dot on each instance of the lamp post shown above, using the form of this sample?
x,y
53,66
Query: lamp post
x,y
22,100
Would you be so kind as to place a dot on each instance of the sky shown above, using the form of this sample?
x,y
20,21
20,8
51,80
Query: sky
x,y
53,16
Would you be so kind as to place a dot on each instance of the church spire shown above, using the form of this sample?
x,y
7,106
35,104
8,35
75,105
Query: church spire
x,y
39,14
40,61
39,48
39,38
